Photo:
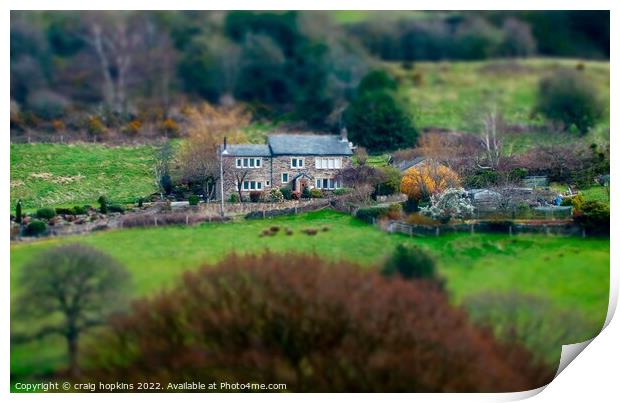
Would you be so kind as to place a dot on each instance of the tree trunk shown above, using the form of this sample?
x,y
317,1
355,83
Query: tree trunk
x,y
72,344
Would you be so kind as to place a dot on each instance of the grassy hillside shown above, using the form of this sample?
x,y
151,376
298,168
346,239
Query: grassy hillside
x,y
447,95
59,174
572,272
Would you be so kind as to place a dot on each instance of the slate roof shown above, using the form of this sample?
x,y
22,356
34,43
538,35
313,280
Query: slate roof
x,y
405,165
308,144
248,150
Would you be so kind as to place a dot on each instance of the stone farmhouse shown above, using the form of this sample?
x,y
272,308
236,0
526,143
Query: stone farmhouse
x,y
293,161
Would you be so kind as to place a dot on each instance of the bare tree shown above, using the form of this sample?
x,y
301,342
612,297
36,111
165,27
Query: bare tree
x,y
115,41
491,139
207,128
74,282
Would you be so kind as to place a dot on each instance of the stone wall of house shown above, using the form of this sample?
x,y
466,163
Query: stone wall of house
x,y
282,164
271,171
231,172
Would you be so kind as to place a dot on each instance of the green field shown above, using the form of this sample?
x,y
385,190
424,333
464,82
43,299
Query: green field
x,y
448,94
572,272
65,175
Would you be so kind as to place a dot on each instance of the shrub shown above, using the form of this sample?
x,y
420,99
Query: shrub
x,y
482,179
35,228
255,197
170,127
18,212
594,217
79,210
287,193
341,191
234,198
316,193
395,211
64,210
452,203
335,328
575,201
140,202
134,127
94,126
193,200
410,262
46,213
391,182
276,196
103,204
569,97
422,181
116,208
306,193
371,214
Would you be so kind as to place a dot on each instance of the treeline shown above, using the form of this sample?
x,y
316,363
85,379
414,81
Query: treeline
x,y
481,35
143,65
133,72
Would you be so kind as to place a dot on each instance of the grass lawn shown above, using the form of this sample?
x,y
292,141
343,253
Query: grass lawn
x,y
447,94
572,272
65,175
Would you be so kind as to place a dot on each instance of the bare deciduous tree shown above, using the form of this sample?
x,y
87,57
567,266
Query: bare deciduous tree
x,y
207,128
491,136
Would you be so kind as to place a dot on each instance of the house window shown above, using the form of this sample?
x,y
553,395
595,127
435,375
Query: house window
x,y
252,185
267,183
327,183
297,162
284,177
328,163
248,163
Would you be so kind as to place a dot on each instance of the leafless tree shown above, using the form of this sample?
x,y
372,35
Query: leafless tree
x,y
115,41
491,136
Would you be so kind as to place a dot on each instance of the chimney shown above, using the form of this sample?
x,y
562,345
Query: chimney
x,y
344,135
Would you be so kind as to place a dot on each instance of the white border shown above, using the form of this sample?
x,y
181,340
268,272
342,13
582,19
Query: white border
x,y
594,376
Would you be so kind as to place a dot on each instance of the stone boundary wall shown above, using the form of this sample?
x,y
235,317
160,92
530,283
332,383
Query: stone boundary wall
x,y
297,209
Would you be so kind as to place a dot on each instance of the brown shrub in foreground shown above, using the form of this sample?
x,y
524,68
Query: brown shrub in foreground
x,y
314,325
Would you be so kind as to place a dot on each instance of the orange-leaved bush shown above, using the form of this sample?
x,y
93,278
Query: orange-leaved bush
x,y
426,179
315,325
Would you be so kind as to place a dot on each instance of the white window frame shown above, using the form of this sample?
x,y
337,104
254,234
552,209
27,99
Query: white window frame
x,y
328,163
327,183
252,185
248,162
282,177
299,163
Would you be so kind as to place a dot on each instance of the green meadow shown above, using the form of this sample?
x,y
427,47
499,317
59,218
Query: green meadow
x,y
572,273
65,175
